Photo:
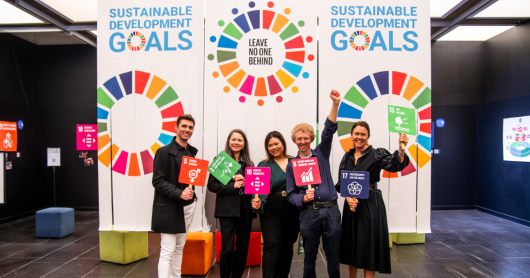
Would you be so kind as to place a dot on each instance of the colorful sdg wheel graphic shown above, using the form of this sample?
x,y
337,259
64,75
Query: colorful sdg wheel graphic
x,y
359,36
136,41
357,99
127,92
277,80
520,149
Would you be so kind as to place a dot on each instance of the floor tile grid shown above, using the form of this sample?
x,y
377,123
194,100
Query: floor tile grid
x,y
5,275
481,231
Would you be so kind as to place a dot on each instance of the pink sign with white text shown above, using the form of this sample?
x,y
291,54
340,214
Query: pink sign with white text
x,y
258,180
87,137
306,171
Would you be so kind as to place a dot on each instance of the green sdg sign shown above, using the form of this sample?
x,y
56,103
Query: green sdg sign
x,y
402,120
224,167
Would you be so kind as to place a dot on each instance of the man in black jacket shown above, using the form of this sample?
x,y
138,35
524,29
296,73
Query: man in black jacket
x,y
174,202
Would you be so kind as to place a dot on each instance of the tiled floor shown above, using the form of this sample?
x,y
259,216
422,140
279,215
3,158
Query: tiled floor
x,y
464,243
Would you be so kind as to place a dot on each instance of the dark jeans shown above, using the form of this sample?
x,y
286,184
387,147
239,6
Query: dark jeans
x,y
233,262
325,223
280,227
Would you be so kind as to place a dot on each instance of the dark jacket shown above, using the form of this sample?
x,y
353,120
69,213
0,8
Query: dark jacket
x,y
168,211
228,201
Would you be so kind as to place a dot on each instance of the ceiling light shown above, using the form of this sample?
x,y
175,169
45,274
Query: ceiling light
x,y
507,8
441,7
10,14
28,29
76,11
474,33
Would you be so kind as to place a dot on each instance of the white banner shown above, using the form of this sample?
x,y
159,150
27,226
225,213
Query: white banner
x,y
260,71
150,68
378,53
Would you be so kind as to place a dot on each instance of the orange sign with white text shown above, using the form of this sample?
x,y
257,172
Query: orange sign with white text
x,y
8,136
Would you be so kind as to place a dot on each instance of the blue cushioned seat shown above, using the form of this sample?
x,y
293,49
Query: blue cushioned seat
x,y
54,222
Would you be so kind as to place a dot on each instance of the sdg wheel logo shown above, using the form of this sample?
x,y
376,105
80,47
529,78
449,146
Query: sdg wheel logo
x,y
407,91
136,41
260,53
359,40
137,114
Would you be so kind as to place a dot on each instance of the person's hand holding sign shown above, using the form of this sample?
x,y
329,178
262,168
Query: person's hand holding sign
x,y
352,203
240,181
256,203
309,195
187,194
403,141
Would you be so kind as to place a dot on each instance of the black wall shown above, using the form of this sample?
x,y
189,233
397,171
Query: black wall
x,y
26,188
51,89
458,81
453,171
508,63
67,88
503,186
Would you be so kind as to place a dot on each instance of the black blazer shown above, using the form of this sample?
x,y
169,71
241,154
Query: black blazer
x,y
227,203
168,211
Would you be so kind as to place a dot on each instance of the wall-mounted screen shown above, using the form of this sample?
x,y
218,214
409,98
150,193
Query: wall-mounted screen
x,y
516,139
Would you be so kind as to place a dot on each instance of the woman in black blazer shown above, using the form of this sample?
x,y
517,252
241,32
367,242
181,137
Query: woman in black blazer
x,y
233,208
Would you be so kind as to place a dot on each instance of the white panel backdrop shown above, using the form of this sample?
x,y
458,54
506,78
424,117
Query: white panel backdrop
x,y
389,62
148,54
258,108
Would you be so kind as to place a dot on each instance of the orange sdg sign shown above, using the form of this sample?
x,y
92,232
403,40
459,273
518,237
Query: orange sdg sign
x,y
193,171
8,136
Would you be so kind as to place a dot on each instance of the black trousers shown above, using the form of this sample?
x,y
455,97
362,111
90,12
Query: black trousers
x,y
280,227
325,223
233,262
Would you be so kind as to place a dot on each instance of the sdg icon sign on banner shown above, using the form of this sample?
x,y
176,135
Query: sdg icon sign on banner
x,y
354,184
224,167
193,171
306,171
401,120
258,180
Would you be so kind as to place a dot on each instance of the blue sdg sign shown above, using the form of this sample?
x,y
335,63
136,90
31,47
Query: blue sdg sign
x,y
354,184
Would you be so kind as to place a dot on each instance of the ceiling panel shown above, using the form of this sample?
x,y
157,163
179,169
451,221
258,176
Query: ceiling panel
x,y
507,8
473,33
441,7
10,14
75,11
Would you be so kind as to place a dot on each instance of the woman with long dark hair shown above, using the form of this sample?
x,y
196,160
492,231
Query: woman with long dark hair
x,y
278,218
364,242
233,208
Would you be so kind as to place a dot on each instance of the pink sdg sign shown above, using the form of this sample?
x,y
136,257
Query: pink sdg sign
x,y
87,137
258,180
306,171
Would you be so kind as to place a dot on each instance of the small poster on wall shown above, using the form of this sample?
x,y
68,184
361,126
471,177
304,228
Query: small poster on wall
x,y
8,136
87,136
9,165
54,157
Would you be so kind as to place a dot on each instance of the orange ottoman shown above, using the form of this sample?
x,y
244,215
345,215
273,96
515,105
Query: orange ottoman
x,y
198,254
254,248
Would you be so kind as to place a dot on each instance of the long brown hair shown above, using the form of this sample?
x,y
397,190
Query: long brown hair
x,y
244,152
270,135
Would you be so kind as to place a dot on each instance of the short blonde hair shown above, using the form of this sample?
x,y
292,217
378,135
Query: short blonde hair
x,y
303,127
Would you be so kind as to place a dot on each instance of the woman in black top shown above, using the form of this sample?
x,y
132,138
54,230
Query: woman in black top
x,y
279,219
364,242
233,208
